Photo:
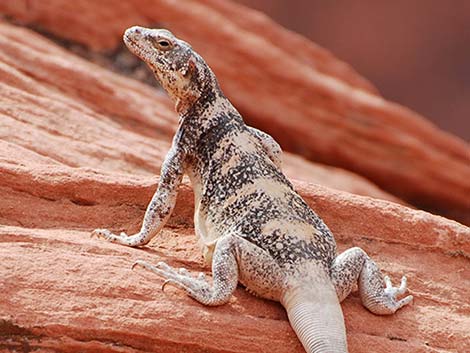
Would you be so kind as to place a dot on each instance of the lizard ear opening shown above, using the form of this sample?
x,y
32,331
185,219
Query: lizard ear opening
x,y
190,69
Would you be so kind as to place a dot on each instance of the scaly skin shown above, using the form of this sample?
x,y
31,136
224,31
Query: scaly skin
x,y
252,225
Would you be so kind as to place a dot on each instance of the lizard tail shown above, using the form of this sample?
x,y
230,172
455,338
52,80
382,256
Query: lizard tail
x,y
317,319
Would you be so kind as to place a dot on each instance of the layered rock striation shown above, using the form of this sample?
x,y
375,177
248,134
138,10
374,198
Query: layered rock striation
x,y
312,103
81,148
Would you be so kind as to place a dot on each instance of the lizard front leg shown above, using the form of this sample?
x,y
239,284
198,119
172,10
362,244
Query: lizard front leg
x,y
355,266
270,145
159,208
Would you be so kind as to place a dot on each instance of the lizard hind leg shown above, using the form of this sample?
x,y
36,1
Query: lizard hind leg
x,y
355,266
224,270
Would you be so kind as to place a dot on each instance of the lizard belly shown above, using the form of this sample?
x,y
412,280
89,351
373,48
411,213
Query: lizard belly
x,y
206,239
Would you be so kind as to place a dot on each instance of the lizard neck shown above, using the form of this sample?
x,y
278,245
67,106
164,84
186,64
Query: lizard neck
x,y
205,93
201,92
207,108
206,119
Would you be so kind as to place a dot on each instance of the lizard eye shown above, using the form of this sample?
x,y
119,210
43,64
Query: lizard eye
x,y
162,44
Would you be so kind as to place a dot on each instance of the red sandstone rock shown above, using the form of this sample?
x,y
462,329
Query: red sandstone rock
x,y
80,148
298,168
311,102
63,291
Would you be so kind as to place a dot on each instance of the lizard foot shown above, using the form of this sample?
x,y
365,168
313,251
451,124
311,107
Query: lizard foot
x,y
180,278
109,236
391,293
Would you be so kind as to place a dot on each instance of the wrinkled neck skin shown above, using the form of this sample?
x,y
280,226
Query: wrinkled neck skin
x,y
204,101
198,98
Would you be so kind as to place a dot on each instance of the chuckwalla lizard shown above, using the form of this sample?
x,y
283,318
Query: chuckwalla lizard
x,y
255,229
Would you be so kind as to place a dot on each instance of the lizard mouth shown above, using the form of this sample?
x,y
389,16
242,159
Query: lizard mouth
x,y
130,42
133,46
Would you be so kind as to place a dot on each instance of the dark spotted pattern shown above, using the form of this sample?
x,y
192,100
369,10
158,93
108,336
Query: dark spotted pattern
x,y
252,223
227,158
253,211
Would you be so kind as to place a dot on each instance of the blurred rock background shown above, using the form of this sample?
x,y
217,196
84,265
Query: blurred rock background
x,y
81,145
417,53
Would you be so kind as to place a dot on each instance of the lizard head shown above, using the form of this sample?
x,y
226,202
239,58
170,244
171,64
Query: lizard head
x,y
181,71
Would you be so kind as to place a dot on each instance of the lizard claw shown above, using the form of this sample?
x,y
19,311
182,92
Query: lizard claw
x,y
165,283
136,263
178,283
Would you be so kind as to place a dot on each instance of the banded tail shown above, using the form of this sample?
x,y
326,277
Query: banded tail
x,y
316,317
